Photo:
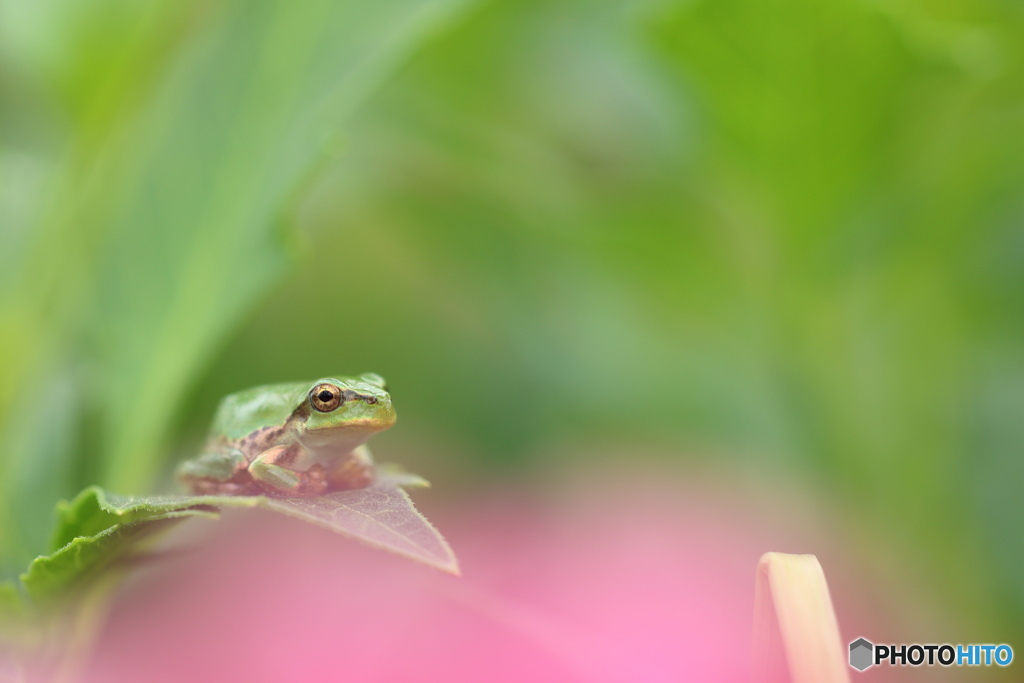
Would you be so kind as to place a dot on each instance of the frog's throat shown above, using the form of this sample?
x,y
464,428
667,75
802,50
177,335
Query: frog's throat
x,y
336,441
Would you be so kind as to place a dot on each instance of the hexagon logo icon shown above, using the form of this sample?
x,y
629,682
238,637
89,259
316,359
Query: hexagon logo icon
x,y
861,654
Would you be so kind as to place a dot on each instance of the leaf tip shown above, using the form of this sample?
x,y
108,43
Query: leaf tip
x,y
452,567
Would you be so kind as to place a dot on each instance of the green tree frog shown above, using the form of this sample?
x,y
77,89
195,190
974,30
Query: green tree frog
x,y
303,439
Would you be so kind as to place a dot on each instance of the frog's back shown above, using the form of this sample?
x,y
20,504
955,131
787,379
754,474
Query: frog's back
x,y
244,412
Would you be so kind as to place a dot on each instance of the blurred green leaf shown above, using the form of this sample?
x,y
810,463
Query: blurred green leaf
x,y
208,176
164,221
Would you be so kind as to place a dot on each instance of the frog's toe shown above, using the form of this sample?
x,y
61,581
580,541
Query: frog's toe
x,y
282,481
274,476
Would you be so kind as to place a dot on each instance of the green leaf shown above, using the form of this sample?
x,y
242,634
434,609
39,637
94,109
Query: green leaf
x,y
99,530
96,530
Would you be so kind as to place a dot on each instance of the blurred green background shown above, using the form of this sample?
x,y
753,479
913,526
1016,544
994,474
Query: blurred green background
x,y
778,236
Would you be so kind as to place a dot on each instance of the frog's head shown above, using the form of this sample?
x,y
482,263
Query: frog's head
x,y
341,413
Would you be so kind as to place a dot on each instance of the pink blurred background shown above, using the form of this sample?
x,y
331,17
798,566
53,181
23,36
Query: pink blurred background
x,y
611,578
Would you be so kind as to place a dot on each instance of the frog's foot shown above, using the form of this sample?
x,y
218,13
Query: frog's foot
x,y
281,481
354,472
217,472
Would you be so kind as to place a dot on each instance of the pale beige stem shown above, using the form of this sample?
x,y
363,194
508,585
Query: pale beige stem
x,y
796,635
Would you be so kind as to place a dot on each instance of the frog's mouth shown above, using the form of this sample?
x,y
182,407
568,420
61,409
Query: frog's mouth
x,y
373,415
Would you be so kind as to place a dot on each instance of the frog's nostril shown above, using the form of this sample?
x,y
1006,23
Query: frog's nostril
x,y
371,399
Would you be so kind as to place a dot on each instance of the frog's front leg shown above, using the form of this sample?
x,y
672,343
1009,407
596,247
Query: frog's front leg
x,y
268,470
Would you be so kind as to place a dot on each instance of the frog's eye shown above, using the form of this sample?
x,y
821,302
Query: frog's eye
x,y
325,397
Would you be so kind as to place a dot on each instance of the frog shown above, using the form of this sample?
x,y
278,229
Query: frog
x,y
299,439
